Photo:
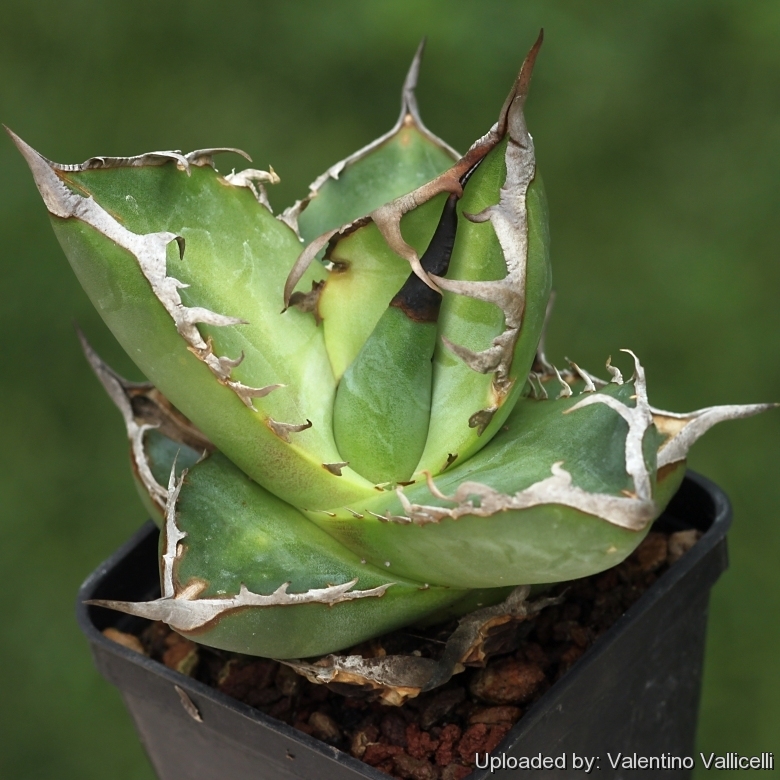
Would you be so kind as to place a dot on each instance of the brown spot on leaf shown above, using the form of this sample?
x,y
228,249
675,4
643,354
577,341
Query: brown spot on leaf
x,y
308,302
481,419
451,458
335,468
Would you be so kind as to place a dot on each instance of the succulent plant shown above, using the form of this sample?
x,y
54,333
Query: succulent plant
x,y
350,423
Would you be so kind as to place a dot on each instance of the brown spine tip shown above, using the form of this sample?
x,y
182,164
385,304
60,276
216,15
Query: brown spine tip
x,y
522,83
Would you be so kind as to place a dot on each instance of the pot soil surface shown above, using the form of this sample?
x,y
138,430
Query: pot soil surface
x,y
437,735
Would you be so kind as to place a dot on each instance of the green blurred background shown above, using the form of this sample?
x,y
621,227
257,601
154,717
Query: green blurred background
x,y
657,127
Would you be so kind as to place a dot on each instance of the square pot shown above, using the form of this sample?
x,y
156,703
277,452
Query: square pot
x,y
635,690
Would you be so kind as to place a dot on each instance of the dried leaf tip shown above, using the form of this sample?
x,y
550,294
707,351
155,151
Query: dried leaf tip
x,y
683,430
409,117
409,106
614,371
144,408
522,84
410,112
118,390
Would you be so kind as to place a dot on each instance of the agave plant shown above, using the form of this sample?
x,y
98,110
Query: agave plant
x,y
350,424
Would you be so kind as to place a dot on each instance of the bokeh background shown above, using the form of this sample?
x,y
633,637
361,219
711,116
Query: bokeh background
x,y
657,127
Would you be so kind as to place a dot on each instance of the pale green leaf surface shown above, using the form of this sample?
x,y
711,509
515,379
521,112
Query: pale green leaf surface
x,y
401,164
458,390
111,277
541,544
383,401
239,533
366,276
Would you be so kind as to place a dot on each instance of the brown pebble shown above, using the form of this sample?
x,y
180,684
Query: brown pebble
x,y
651,553
386,767
508,682
393,728
413,768
471,742
493,716
455,772
580,635
445,753
607,581
375,753
288,682
250,681
561,631
441,705
361,739
571,654
318,693
281,709
126,640
306,728
680,543
495,735
324,727
532,651
181,654
153,638
419,744
480,738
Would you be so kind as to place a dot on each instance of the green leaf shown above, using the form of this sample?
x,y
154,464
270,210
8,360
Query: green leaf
x,y
366,275
404,158
543,543
236,534
468,405
401,163
114,225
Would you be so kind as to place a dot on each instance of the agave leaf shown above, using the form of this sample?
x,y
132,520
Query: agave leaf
x,y
470,404
244,571
365,275
492,321
567,488
495,293
160,436
257,382
395,678
543,542
241,569
383,401
401,160
388,217
364,272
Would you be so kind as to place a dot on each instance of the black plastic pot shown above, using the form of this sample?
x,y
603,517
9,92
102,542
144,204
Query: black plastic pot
x,y
636,690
